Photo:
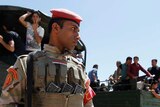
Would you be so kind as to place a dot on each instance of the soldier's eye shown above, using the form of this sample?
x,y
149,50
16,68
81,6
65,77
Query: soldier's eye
x,y
74,29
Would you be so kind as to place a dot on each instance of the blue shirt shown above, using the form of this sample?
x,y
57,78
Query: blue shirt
x,y
124,71
92,74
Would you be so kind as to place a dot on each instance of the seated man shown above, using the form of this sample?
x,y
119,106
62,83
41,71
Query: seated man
x,y
153,89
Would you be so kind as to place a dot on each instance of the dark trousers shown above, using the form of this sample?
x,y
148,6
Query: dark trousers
x,y
133,84
122,85
95,85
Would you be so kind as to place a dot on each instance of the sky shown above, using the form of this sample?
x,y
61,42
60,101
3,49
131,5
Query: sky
x,y
111,29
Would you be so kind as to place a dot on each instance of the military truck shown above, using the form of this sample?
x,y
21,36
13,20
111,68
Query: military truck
x,y
132,98
11,14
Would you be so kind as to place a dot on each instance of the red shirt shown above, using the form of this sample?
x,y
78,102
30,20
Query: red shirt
x,y
133,70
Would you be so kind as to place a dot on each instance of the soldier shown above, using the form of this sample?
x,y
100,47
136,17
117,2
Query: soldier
x,y
51,77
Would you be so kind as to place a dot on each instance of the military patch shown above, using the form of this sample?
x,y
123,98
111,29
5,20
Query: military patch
x,y
13,72
8,81
12,75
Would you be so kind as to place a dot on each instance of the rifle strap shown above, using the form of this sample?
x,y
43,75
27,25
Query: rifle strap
x,y
29,79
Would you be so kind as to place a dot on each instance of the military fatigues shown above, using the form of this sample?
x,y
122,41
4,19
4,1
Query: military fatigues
x,y
57,79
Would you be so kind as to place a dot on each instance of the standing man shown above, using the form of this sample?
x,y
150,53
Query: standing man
x,y
124,80
94,77
133,72
117,72
58,79
124,68
34,33
154,70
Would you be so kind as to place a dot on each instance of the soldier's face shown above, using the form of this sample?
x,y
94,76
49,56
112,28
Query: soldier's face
x,y
68,35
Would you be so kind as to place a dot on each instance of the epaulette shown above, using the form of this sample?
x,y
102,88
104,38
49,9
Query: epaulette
x,y
38,54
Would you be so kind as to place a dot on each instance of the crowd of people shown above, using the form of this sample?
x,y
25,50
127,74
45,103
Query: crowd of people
x,y
126,75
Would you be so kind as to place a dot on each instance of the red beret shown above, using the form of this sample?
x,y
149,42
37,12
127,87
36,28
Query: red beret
x,y
64,13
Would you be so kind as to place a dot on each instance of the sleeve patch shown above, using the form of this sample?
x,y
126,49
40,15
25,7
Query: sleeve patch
x,y
12,75
13,72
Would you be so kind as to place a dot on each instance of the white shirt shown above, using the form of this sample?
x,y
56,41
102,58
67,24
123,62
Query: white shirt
x,y
31,44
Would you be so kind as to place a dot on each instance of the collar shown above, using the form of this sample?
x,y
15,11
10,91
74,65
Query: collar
x,y
95,69
136,64
51,49
54,52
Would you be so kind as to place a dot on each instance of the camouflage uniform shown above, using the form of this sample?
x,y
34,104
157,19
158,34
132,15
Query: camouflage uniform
x,y
49,66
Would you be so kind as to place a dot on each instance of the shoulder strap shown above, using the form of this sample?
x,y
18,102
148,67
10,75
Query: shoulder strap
x,y
29,79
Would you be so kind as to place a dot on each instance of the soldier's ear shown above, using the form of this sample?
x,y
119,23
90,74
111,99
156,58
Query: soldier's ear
x,y
55,27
